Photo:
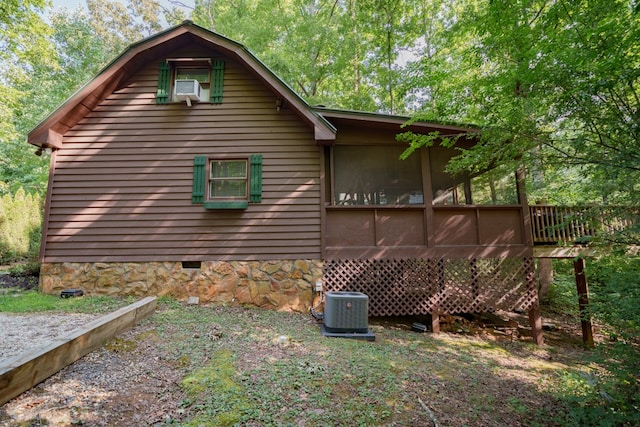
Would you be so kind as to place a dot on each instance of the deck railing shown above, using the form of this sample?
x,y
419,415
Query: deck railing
x,y
577,224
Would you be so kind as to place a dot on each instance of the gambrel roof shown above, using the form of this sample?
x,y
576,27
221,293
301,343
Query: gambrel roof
x,y
49,132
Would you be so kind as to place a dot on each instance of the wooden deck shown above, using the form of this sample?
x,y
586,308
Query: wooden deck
x,y
577,225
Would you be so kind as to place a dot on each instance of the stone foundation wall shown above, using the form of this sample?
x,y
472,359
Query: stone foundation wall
x,y
279,285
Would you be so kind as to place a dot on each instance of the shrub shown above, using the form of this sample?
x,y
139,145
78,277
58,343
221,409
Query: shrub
x,y
20,226
614,281
609,397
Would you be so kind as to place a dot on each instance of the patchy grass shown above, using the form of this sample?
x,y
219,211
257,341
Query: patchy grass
x,y
34,302
253,367
216,392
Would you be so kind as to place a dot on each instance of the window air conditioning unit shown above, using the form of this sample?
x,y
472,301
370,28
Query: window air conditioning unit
x,y
187,90
346,312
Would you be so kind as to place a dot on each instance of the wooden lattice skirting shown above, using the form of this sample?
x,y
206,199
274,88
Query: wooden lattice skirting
x,y
401,287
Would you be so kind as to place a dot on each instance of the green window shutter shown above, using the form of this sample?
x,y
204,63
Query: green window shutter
x,y
217,80
255,186
164,83
199,169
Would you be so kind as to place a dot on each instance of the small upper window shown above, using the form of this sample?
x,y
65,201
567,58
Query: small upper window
x,y
191,79
186,74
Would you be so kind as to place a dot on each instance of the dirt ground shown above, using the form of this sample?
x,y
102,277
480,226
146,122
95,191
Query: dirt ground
x,y
111,386
23,282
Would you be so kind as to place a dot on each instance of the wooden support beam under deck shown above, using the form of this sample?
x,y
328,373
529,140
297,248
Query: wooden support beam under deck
x,y
535,320
583,301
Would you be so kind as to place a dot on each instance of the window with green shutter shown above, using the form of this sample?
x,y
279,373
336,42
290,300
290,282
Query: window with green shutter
x,y
208,73
227,183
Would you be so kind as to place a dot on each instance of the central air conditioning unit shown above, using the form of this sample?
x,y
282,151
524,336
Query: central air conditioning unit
x,y
346,314
187,90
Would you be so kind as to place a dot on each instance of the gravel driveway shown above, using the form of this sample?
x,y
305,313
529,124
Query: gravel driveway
x,y
20,332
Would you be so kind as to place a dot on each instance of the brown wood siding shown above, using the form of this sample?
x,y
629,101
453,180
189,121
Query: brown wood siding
x,y
123,179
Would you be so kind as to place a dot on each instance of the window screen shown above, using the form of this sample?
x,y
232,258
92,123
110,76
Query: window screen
x,y
199,74
375,175
447,189
495,187
228,179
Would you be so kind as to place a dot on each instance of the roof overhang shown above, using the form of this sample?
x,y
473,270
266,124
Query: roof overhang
x,y
394,122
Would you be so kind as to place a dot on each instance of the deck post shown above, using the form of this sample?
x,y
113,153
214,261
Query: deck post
x,y
435,321
535,320
583,301
545,274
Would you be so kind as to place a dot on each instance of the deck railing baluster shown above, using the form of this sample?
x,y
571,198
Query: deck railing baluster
x,y
563,224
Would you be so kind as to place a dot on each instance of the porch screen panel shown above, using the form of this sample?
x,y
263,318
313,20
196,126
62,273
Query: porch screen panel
x,y
448,189
375,175
495,187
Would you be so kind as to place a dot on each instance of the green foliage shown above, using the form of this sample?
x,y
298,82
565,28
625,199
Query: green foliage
x,y
115,25
22,31
24,43
9,96
614,282
614,291
30,268
21,169
598,396
20,225
341,54
553,84
563,296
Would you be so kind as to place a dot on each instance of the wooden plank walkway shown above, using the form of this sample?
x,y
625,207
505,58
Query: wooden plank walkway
x,y
21,373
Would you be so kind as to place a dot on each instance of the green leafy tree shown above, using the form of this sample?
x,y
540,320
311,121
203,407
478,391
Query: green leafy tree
x,y
20,219
44,64
340,54
23,33
113,23
24,45
78,56
553,85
